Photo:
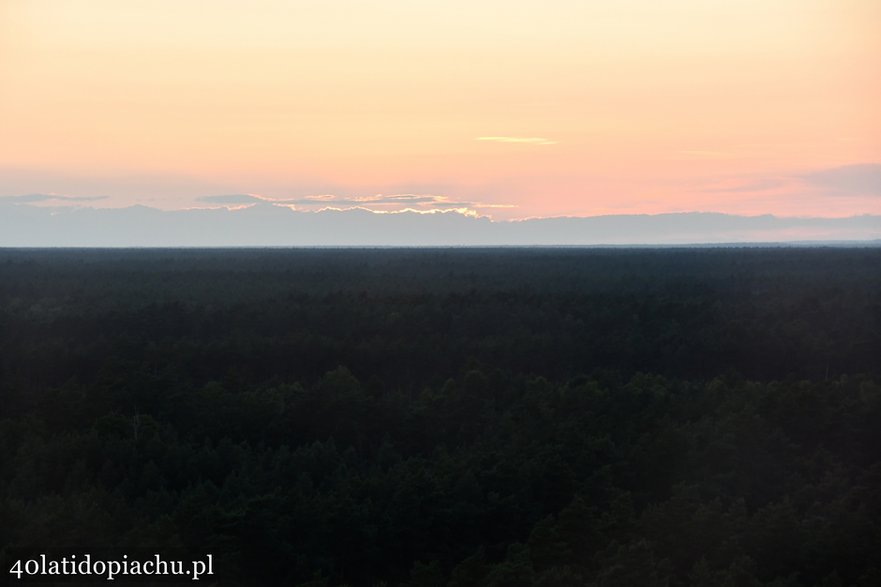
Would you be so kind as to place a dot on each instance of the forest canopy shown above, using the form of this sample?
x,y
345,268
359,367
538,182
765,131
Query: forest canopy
x,y
430,417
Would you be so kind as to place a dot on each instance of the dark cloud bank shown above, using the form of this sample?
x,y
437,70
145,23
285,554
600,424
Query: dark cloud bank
x,y
265,224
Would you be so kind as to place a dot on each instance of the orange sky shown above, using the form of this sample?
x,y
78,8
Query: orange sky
x,y
512,108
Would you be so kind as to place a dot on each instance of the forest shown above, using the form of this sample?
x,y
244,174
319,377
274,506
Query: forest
x,y
507,417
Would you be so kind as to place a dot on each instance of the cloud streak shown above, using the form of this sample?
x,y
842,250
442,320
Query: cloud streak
x,y
38,198
525,140
379,199
385,203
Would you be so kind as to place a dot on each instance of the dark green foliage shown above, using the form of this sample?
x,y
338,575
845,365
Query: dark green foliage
x,y
510,418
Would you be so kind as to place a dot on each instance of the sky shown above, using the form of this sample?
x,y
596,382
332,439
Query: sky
x,y
504,108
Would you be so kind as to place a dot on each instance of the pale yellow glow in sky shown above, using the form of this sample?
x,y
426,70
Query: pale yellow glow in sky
x,y
637,105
